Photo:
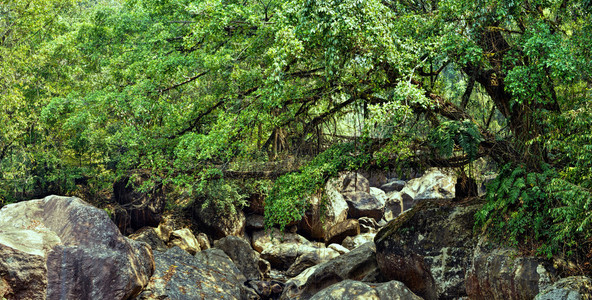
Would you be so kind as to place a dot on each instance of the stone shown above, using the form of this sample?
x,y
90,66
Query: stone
x,y
309,259
429,248
266,289
394,205
394,185
164,232
340,231
362,204
218,224
379,194
273,237
340,249
255,222
352,182
368,224
320,218
501,273
243,256
353,242
376,177
357,290
281,249
184,239
49,248
209,275
359,264
569,288
150,236
203,241
435,184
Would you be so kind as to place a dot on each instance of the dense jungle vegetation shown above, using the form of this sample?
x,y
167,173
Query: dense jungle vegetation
x,y
223,99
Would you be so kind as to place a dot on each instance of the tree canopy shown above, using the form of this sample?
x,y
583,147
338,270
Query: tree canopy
x,y
203,94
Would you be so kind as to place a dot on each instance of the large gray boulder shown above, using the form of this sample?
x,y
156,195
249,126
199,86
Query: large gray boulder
x,y
217,223
363,204
64,248
323,215
359,264
569,288
244,257
501,273
429,248
435,184
209,275
357,290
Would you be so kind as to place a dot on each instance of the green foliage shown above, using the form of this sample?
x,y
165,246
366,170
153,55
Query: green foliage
x,y
541,209
453,133
518,210
289,198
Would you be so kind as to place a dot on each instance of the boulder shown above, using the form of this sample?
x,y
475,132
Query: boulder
x,y
362,204
51,248
341,230
352,182
219,224
352,242
266,289
359,264
357,290
501,273
244,257
395,206
263,239
150,236
569,288
203,241
394,185
376,177
323,216
368,225
429,248
309,259
340,249
379,194
281,249
255,222
435,184
209,275
184,239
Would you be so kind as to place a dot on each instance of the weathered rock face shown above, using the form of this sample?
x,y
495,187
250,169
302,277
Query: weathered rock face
x,y
570,288
184,239
149,236
394,205
138,209
64,248
244,257
359,264
352,182
309,259
356,290
433,185
429,248
352,242
362,204
218,224
502,274
281,249
393,186
209,275
318,220
341,230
